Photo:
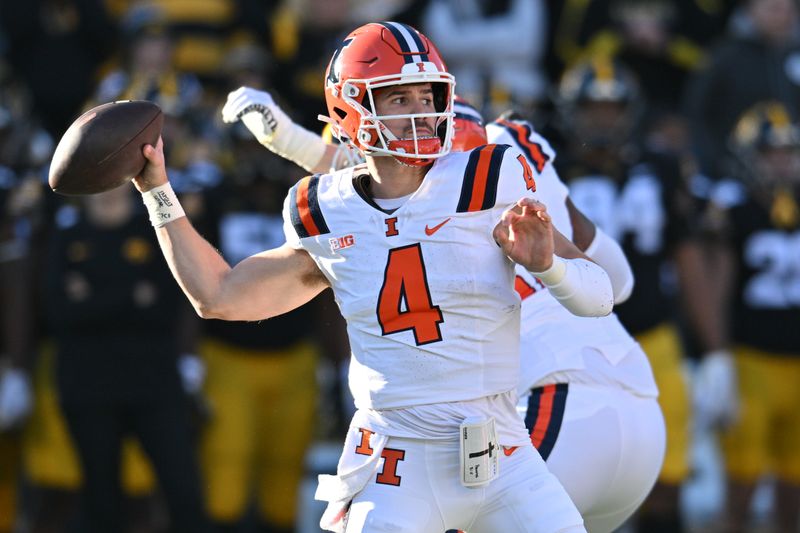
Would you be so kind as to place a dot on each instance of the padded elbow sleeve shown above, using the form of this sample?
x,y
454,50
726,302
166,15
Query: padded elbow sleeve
x,y
607,253
580,286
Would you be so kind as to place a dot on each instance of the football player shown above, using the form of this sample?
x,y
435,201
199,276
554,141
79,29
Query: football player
x,y
260,375
639,197
757,316
573,389
585,382
423,273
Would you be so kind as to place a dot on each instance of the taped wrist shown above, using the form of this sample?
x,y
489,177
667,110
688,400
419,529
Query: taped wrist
x,y
286,138
162,205
607,253
579,285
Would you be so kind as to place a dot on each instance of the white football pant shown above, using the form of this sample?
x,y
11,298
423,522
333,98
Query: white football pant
x,y
525,497
605,445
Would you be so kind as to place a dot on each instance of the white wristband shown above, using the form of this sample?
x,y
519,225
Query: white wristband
x,y
162,205
554,274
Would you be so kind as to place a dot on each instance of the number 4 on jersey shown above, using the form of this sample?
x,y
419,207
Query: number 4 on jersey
x,y
405,282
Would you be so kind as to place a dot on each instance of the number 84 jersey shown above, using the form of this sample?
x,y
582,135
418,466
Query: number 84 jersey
x,y
428,296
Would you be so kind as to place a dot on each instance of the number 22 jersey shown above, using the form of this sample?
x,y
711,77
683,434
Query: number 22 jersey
x,y
428,296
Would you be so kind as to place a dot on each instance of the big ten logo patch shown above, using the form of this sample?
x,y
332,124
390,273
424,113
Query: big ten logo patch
x,y
339,243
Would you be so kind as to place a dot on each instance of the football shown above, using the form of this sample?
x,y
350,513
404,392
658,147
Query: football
x,y
102,149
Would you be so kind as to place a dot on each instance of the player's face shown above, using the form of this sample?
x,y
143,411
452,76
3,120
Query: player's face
x,y
602,124
407,99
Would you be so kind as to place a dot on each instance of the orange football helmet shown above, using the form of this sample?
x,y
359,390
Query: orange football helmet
x,y
469,130
378,55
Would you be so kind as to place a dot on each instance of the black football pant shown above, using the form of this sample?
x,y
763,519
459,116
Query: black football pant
x,y
162,426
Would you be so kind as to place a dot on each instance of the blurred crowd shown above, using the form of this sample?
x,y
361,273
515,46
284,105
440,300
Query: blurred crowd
x,y
676,126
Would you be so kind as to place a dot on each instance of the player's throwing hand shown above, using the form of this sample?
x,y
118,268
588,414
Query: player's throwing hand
x,y
154,172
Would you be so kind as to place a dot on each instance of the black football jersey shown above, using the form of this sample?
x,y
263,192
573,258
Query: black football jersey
x,y
766,311
647,210
239,223
111,307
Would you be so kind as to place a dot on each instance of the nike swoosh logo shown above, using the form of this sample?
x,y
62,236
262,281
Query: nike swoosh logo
x,y
509,450
437,227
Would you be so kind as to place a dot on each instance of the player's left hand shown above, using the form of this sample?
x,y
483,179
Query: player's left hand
x,y
16,398
273,128
257,110
192,370
525,233
716,394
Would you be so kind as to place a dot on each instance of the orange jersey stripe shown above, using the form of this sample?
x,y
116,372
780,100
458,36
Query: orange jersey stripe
x,y
481,177
543,417
303,209
523,289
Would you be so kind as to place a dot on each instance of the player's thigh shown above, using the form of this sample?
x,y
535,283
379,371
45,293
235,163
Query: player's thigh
x,y
49,456
9,476
746,445
785,435
228,440
138,477
587,452
663,348
403,496
641,452
292,394
527,498
786,450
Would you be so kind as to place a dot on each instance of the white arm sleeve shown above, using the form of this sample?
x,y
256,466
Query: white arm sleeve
x,y
273,128
607,253
581,286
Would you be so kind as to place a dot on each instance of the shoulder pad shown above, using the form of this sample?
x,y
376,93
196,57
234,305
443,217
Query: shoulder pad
x,y
481,175
526,139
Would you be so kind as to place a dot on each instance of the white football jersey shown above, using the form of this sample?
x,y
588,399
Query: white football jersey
x,y
428,296
553,338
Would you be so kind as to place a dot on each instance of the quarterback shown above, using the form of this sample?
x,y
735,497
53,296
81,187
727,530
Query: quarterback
x,y
419,247
583,381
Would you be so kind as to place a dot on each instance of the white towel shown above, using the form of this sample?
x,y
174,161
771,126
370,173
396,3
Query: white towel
x,y
352,474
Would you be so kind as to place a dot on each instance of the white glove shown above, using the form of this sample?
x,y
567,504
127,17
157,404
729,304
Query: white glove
x,y
716,394
16,400
192,370
273,128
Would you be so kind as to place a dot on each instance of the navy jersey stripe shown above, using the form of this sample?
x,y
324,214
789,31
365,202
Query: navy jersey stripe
x,y
533,408
294,212
556,418
538,159
514,135
304,209
469,180
490,196
313,205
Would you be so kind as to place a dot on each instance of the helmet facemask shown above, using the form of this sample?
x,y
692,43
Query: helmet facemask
x,y
374,136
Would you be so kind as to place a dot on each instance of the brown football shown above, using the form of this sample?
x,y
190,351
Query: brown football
x,y
102,149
